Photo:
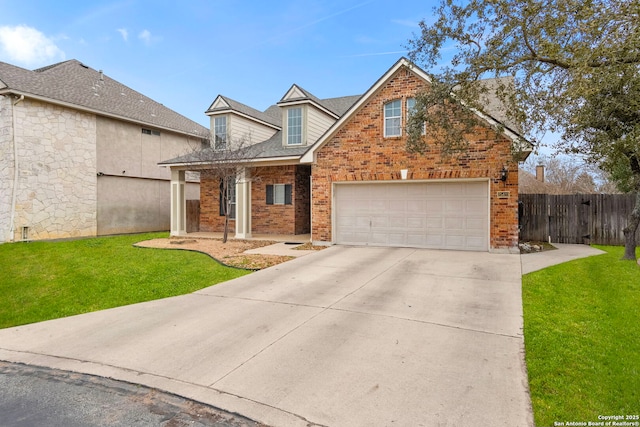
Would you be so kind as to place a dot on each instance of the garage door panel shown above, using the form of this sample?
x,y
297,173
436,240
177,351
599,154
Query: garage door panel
x,y
475,205
435,206
454,223
453,206
445,215
415,222
476,224
434,189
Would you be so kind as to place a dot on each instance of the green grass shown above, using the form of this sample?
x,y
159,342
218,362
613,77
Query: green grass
x,y
47,280
582,338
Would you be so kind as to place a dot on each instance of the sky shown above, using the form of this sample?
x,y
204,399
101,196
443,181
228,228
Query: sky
x,y
183,54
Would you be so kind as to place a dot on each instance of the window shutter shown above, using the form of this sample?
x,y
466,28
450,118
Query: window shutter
x,y
221,198
269,194
287,194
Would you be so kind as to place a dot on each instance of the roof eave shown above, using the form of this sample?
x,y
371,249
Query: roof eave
x,y
267,161
97,112
246,116
308,101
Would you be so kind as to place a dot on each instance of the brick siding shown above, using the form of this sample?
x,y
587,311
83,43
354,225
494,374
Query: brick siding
x,y
266,219
359,152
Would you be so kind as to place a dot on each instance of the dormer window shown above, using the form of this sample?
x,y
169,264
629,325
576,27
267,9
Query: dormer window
x,y
220,133
294,126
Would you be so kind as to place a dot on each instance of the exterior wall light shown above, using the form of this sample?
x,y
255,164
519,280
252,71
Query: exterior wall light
x,y
504,174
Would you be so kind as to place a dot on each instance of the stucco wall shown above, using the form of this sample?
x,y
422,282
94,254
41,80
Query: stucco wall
x,y
56,188
134,205
133,191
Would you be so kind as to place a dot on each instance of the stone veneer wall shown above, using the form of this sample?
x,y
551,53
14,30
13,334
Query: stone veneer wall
x,y
56,193
6,167
360,152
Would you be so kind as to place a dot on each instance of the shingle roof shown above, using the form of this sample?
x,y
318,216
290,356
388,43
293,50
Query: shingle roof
x,y
271,117
74,83
272,148
338,106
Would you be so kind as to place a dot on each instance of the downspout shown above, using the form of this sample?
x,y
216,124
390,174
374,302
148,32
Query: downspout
x,y
15,168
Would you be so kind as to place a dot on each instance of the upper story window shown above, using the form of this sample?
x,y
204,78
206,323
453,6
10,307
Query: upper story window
x,y
294,126
150,132
411,105
220,133
393,118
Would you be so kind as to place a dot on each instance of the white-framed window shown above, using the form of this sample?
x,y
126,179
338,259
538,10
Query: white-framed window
x,y
279,194
411,105
294,126
220,133
393,118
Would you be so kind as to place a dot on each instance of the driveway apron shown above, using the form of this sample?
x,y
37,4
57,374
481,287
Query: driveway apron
x,y
343,337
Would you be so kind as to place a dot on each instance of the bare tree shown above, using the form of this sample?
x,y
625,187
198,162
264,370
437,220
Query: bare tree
x,y
226,160
566,176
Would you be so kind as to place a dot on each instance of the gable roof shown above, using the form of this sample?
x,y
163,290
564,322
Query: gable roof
x,y
309,156
75,85
223,104
335,107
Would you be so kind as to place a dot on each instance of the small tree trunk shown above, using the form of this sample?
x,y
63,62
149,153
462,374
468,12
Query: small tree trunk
x,y
225,234
630,231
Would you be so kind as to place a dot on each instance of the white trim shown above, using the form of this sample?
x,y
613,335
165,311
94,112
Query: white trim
x,y
417,181
294,92
270,161
219,102
243,115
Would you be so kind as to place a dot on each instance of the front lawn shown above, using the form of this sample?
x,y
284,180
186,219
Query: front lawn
x,y
582,339
47,280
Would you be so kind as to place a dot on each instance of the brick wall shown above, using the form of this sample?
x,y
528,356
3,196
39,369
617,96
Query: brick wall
x,y
210,218
359,152
266,219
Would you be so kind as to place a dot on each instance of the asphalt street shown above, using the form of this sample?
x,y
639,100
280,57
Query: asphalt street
x,y
33,397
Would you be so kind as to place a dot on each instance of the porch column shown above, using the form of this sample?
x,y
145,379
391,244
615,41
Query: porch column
x,y
243,206
178,204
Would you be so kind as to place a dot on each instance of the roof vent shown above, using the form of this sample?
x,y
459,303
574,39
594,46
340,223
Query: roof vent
x,y
101,75
83,66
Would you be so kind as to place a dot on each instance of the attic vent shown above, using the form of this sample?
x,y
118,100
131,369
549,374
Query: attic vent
x,y
83,66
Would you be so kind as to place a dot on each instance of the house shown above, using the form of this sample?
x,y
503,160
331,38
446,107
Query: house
x,y
338,169
79,154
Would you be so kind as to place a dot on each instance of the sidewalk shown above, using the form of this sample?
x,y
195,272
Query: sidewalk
x,y
539,260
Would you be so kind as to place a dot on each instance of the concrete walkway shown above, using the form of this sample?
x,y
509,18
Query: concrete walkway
x,y
539,260
342,337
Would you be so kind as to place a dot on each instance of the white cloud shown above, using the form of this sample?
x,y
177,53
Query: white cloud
x,y
145,36
28,46
406,22
124,33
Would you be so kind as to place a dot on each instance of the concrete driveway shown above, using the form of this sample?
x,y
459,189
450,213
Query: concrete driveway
x,y
343,337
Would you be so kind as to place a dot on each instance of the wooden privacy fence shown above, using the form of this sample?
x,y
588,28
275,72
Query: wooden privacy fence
x,y
575,218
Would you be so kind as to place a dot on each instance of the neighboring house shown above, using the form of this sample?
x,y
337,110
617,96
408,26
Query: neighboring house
x,y
79,154
338,169
536,184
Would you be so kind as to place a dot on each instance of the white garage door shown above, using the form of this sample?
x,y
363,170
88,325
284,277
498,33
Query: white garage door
x,y
440,215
